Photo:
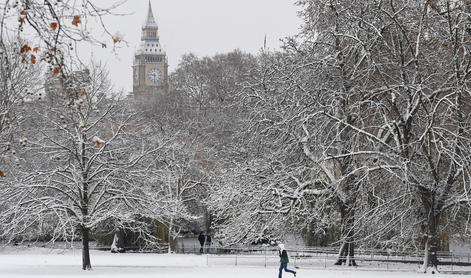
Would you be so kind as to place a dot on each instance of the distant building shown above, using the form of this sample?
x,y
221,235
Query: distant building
x,y
150,68
54,88
60,89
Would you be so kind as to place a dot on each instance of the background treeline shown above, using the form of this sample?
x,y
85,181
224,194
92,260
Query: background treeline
x,y
356,133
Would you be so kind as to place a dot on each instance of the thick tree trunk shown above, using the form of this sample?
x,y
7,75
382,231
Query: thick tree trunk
x,y
430,229
430,261
426,256
86,265
431,244
170,227
347,249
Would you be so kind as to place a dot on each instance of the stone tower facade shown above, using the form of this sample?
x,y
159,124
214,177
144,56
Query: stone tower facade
x,y
150,68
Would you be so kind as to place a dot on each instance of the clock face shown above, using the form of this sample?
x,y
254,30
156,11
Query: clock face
x,y
154,75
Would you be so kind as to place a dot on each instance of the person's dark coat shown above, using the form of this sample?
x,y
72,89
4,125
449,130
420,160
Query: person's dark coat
x,y
201,239
283,257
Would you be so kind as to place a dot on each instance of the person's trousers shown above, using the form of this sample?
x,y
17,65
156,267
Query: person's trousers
x,y
285,267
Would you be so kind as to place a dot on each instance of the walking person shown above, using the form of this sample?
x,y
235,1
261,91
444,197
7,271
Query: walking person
x,y
208,243
284,260
201,239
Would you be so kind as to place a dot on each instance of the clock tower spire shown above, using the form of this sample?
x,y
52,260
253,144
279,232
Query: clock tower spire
x,y
150,21
150,68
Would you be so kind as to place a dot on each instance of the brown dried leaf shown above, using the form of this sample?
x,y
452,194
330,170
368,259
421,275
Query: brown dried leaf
x,y
54,25
2,174
25,48
98,141
56,71
117,38
36,49
33,59
22,17
76,21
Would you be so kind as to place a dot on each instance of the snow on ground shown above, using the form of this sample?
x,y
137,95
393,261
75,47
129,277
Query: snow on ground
x,y
43,262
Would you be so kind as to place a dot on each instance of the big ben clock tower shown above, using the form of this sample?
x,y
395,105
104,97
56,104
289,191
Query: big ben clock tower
x,y
150,68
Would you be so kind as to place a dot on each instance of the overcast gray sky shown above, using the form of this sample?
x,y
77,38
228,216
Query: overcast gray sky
x,y
202,27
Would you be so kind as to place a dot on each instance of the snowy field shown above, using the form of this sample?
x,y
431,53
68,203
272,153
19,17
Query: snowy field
x,y
42,262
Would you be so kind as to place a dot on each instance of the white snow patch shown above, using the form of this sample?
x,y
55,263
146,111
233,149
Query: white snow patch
x,y
43,262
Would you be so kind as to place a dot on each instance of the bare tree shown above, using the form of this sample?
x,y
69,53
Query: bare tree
x,y
82,168
19,84
209,88
178,179
351,107
38,33
49,31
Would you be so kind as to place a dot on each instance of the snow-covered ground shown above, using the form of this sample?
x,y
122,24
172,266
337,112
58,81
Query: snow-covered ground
x,y
43,262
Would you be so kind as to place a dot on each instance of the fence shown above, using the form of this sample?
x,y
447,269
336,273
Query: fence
x,y
317,258
326,257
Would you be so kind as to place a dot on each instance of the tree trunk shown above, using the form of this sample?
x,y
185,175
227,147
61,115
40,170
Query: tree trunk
x,y
431,246
426,256
170,227
86,265
430,230
347,250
